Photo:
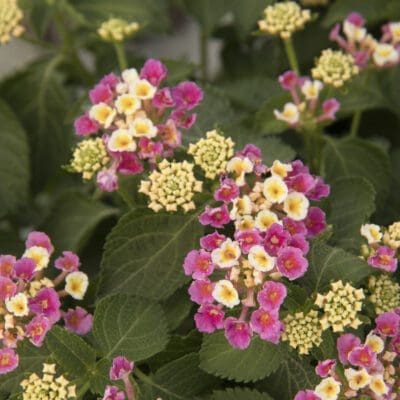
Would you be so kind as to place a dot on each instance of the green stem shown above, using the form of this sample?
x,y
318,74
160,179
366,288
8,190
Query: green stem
x,y
121,56
355,123
291,55
204,55
313,140
146,379
125,197
83,389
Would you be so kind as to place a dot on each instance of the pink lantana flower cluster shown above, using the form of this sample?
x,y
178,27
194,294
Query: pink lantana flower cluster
x,y
368,369
30,303
139,121
120,371
306,108
382,248
364,48
263,223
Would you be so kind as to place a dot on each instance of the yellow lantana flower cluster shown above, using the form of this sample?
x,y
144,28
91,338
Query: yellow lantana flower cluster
x,y
173,186
284,19
334,68
117,30
341,306
10,18
89,157
392,236
385,293
48,386
212,153
303,331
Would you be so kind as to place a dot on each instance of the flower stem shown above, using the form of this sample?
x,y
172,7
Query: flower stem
x,y
121,56
355,123
129,388
291,55
204,55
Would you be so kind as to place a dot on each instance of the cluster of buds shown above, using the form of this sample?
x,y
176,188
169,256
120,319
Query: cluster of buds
x,y
363,47
264,221
117,30
306,109
48,386
30,303
173,185
384,293
10,18
382,248
367,370
212,153
139,121
120,370
334,68
283,19
303,331
340,306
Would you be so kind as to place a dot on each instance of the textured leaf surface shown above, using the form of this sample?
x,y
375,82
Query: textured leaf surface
x,y
239,394
31,360
352,203
14,162
145,251
259,360
42,103
294,374
357,158
180,379
129,326
73,218
70,351
328,263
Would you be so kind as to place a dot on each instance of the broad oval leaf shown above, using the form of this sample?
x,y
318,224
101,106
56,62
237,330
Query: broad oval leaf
x,y
73,218
14,162
180,379
70,351
129,326
352,202
240,394
357,158
327,263
259,360
144,253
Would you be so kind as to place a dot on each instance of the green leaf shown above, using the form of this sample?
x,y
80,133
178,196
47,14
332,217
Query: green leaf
x,y
265,117
70,351
31,360
152,14
352,202
207,12
177,308
246,16
178,346
14,162
372,10
100,376
129,326
145,251
40,99
73,218
357,158
250,92
240,394
256,362
294,374
328,264
10,241
215,111
180,379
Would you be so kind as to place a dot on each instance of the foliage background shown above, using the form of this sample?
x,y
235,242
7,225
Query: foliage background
x,y
149,315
